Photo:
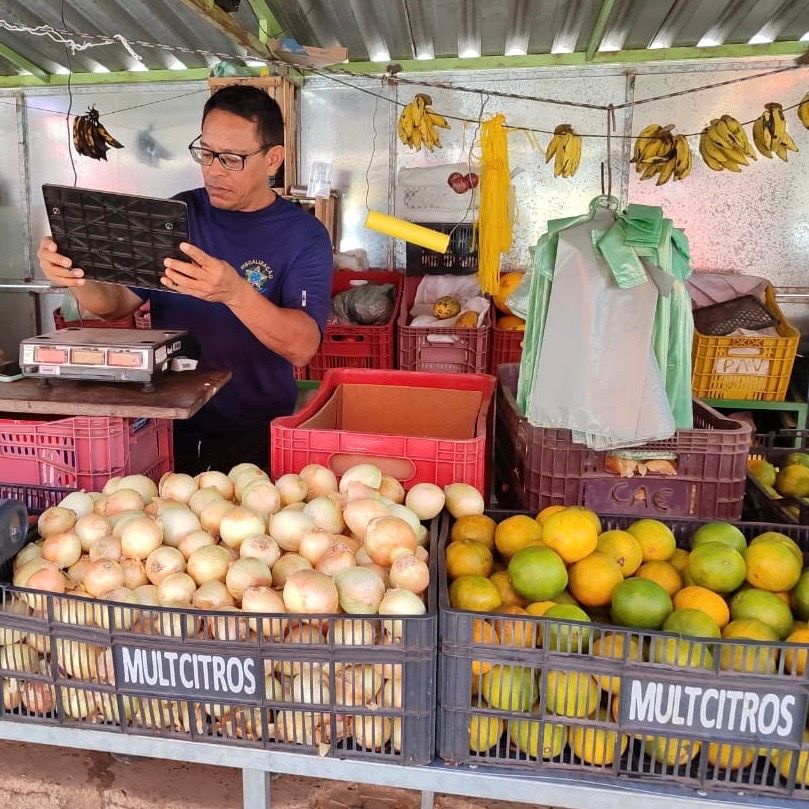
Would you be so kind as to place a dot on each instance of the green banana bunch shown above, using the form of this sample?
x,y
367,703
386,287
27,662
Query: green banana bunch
x,y
417,124
565,149
770,133
657,152
803,111
90,137
724,145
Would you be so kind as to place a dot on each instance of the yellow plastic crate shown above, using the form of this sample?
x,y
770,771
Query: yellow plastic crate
x,y
755,368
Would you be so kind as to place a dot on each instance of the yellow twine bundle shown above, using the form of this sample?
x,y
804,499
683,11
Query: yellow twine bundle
x,y
494,223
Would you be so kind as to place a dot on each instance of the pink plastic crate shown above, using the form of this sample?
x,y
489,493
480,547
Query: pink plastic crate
x,y
417,427
83,452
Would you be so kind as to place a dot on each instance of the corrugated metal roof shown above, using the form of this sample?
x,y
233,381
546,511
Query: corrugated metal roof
x,y
382,30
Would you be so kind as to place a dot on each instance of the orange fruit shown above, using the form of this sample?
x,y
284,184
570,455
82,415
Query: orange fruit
x,y
745,657
548,511
565,598
511,323
537,574
656,540
675,752
640,603
571,693
719,532
731,756
484,732
571,533
795,659
692,624
515,533
468,558
590,514
592,579
510,688
664,573
502,582
474,593
700,598
799,597
478,527
623,548
764,606
509,281
772,565
483,634
767,536
717,566
679,559
595,745
539,608
614,646
571,634
522,634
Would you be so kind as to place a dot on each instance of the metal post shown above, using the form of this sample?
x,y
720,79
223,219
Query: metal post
x,y
427,799
256,789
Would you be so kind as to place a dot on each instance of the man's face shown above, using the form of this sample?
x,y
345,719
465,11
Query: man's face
x,y
244,190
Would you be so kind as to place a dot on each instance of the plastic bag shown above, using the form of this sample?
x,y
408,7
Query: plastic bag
x,y
366,305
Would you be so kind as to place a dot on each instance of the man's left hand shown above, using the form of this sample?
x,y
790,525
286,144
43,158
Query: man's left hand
x,y
204,276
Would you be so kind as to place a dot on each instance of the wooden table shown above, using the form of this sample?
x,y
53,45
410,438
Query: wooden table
x,y
174,396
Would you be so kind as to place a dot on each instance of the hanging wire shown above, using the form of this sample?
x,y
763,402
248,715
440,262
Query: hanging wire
x,y
69,106
371,159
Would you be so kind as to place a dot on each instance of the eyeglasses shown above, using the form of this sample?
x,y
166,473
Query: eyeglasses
x,y
229,160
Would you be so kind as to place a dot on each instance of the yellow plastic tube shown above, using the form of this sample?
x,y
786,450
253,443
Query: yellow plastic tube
x,y
407,231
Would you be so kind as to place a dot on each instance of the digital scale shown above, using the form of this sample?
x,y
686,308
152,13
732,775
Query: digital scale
x,y
104,355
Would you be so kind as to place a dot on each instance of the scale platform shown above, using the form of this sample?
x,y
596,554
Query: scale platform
x,y
104,355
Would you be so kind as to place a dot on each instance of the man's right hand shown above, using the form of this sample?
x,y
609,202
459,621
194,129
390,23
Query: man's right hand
x,y
58,268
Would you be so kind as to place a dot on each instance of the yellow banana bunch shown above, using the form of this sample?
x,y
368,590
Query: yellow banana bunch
x,y
803,111
565,150
658,152
724,145
770,133
418,123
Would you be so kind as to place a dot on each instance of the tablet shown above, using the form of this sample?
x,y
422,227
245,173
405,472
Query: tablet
x,y
117,238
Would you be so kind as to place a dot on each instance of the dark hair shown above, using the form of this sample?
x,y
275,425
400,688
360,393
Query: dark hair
x,y
253,105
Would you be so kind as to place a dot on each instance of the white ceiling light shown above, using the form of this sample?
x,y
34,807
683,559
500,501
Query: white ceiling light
x,y
469,53
255,63
175,64
99,68
424,54
561,48
381,55
609,46
516,51
761,39
805,37
138,67
708,41
61,70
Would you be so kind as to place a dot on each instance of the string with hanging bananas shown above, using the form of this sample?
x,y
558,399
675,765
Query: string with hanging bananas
x,y
658,152
724,145
565,150
770,133
418,124
90,136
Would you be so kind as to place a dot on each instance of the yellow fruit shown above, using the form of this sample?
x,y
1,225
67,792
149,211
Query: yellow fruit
x,y
511,323
663,573
793,481
674,752
468,558
777,536
783,762
539,608
795,659
592,579
680,653
746,657
762,471
446,307
731,756
483,634
522,634
474,593
700,598
525,737
477,527
503,584
571,694
717,566
510,688
515,533
590,514
571,534
613,645
656,540
596,745
679,560
623,548
466,320
509,281
771,565
548,511
484,732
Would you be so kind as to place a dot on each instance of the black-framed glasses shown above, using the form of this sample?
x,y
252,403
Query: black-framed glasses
x,y
228,160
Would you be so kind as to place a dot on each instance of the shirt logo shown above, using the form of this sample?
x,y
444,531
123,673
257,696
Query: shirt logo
x,y
257,272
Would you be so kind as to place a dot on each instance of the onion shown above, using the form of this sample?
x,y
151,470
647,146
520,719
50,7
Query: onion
x,y
422,553
48,580
103,576
210,563
399,602
246,573
19,657
122,617
108,547
425,500
463,500
213,595
387,538
422,536
227,628
365,473
297,507
320,481
161,504
162,562
265,600
358,513
134,573
105,667
100,504
218,480
360,590
392,696
118,521
392,489
194,541
261,497
146,487
177,523
147,595
353,632
325,514
32,551
261,547
24,572
178,486
63,550
372,732
380,571
8,635
245,478
310,690
80,503
238,524
211,515
124,500
298,635
140,536
75,611
362,558
91,527
39,698
314,544
356,490
111,485
408,515
175,624
310,592
176,590
410,573
288,527
292,489
335,560
243,467
12,695
287,565
55,520
202,498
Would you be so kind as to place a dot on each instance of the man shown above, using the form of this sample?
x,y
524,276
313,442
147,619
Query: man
x,y
254,291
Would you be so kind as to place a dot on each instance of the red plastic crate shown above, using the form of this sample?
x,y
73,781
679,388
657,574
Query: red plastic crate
x,y
83,452
539,467
506,347
441,350
428,452
349,346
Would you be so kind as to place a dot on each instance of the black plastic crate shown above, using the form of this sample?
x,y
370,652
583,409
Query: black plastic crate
x,y
587,676
775,447
461,257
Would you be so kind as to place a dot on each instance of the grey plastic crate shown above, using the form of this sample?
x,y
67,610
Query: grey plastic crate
x,y
571,654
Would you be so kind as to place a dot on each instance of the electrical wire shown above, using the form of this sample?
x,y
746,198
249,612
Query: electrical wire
x,y
69,106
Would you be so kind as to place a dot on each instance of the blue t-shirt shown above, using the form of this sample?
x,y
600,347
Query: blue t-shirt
x,y
285,253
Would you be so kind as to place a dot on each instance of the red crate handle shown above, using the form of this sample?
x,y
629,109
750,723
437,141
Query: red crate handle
x,y
403,469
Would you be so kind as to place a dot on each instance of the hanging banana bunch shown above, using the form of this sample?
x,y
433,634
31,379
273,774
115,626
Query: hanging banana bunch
x,y
565,149
724,145
91,138
418,123
803,111
658,152
770,133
